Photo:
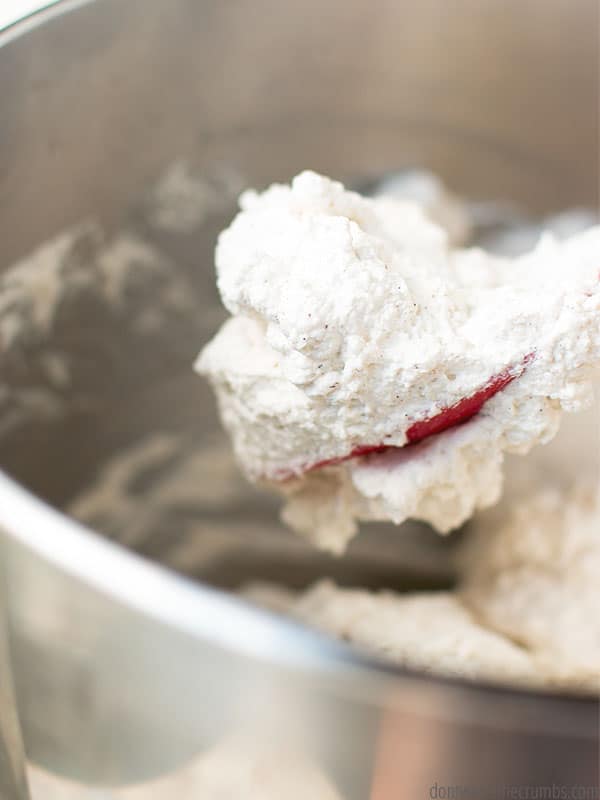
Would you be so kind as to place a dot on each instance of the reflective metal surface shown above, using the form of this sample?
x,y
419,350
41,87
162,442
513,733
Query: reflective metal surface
x,y
13,784
111,114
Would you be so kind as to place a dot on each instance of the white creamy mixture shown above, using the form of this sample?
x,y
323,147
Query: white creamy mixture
x,y
429,631
357,329
525,611
534,575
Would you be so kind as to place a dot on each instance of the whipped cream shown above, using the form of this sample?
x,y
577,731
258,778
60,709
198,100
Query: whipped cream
x,y
360,339
525,610
532,575
429,631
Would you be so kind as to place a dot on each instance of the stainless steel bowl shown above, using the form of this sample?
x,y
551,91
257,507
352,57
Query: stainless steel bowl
x,y
127,660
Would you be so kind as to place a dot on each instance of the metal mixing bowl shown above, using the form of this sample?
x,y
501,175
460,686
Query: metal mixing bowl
x,y
127,660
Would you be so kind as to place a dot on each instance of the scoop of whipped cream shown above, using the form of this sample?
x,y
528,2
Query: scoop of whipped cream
x,y
372,371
